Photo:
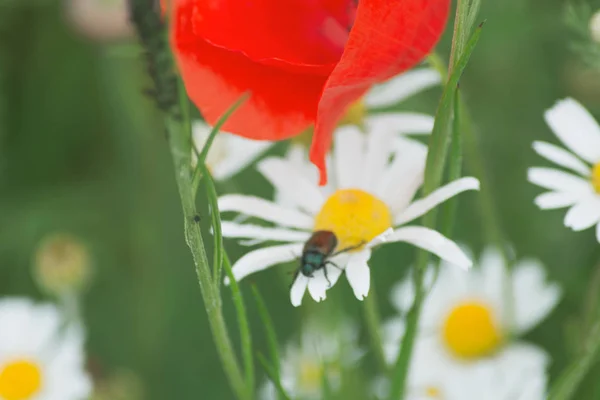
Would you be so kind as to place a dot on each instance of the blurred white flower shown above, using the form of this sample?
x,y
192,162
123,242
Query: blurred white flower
x,y
100,19
465,347
373,109
373,181
41,358
579,188
320,353
229,154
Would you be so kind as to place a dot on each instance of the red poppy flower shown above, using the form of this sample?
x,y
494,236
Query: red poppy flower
x,y
304,61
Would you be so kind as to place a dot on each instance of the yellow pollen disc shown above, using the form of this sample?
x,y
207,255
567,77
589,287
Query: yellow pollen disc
x,y
596,177
311,375
355,114
470,331
354,216
433,392
20,380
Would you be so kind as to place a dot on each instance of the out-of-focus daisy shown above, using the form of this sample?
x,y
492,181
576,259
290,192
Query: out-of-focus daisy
x,y
373,112
579,188
374,180
518,372
100,19
321,353
41,358
468,321
228,154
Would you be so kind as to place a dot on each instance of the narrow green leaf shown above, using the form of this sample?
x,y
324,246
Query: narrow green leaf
x,y
273,376
267,321
242,317
438,144
454,168
211,193
211,137
220,259
436,161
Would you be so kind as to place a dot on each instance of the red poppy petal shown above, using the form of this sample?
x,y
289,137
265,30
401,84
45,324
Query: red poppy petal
x,y
293,34
388,37
282,103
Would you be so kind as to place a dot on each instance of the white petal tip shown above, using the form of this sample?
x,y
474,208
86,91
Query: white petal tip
x,y
472,183
226,281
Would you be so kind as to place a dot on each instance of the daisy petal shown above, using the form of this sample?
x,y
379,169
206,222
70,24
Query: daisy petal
x,y
266,210
377,157
242,153
348,156
264,258
403,177
422,206
297,290
576,128
434,242
535,297
561,157
358,274
402,87
318,285
554,200
583,215
558,180
405,123
247,231
292,184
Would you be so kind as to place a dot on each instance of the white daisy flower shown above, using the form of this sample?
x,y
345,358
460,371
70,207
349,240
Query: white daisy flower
x,y
579,188
374,179
41,358
320,353
466,325
229,154
376,103
518,372
394,91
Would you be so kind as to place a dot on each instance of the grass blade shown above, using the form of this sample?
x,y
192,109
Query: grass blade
x,y
269,329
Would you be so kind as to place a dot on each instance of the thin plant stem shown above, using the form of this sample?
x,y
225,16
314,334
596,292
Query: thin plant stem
x,y
373,321
436,161
491,226
170,98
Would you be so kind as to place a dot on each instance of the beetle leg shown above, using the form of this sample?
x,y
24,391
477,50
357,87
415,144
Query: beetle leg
x,y
326,277
356,246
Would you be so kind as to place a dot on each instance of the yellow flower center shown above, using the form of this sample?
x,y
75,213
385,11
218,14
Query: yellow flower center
x,y
433,392
470,330
355,114
356,217
20,380
311,375
596,177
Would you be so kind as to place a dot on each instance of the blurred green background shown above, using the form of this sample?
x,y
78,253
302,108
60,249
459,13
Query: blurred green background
x,y
82,151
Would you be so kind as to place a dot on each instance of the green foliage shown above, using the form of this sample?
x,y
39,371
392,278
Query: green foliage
x,y
83,151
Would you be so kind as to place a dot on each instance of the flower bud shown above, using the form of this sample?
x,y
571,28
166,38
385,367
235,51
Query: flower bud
x,y
595,27
62,264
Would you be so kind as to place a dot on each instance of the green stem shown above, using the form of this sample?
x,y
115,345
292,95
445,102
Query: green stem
x,y
172,100
180,151
373,321
436,161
